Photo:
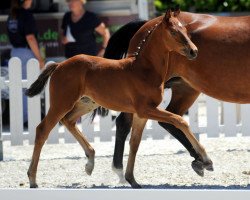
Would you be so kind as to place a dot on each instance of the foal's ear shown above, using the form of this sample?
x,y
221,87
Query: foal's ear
x,y
177,11
168,15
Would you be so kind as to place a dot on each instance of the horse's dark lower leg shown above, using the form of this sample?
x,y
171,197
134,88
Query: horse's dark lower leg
x,y
204,162
123,126
179,135
183,96
197,164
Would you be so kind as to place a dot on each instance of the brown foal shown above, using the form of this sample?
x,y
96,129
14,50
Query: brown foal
x,y
134,84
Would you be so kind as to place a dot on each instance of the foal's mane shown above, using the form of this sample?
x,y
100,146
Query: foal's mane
x,y
142,42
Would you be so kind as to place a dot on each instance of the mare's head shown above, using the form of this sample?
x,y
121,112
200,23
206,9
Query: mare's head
x,y
176,37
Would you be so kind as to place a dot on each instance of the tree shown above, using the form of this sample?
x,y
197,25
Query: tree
x,y
205,5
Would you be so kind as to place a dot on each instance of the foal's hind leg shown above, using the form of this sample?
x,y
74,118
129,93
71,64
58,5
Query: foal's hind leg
x,y
42,133
138,126
82,107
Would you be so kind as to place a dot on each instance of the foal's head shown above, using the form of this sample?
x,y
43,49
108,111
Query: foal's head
x,y
177,38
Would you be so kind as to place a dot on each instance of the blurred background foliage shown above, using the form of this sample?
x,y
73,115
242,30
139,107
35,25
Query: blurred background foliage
x,y
204,5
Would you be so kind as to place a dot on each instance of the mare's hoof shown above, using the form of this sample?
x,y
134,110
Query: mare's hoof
x,y
33,185
89,168
122,180
198,167
119,173
136,186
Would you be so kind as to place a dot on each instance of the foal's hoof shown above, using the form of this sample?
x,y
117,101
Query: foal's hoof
x,y
198,167
133,183
34,185
209,166
89,168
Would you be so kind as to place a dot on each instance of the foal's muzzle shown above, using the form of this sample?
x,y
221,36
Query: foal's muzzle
x,y
191,53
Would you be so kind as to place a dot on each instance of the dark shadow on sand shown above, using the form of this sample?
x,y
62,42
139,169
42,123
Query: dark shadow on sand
x,y
162,186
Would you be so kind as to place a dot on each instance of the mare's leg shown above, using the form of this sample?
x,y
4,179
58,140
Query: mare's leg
x,y
138,126
82,107
123,126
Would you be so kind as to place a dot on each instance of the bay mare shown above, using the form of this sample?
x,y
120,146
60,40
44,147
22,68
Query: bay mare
x,y
221,70
134,84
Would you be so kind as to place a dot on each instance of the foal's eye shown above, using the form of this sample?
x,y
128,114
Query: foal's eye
x,y
172,32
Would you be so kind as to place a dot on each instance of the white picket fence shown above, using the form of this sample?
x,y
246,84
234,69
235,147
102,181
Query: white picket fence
x,y
207,115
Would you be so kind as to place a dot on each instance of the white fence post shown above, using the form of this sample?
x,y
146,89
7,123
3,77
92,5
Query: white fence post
x,y
34,103
212,117
88,128
230,119
193,119
156,132
68,137
54,134
245,116
1,139
105,132
16,101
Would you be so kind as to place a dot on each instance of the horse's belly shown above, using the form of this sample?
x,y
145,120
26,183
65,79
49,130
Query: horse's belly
x,y
232,91
111,96
230,96
124,95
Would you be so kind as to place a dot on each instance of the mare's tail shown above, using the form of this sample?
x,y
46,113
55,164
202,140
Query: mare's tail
x,y
119,42
116,49
37,87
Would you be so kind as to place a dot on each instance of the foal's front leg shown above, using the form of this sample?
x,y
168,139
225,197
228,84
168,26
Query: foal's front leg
x,y
183,96
177,121
135,139
123,125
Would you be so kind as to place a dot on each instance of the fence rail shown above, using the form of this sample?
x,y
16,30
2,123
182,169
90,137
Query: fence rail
x,y
207,115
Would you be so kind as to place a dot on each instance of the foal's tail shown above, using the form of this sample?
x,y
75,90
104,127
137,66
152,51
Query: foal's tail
x,y
117,47
37,87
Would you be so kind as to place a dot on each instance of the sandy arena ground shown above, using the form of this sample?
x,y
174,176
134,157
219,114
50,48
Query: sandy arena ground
x,y
160,164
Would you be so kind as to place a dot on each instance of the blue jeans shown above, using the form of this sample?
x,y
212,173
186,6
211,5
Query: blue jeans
x,y
24,54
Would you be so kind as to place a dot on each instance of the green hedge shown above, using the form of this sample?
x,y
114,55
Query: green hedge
x,y
205,5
